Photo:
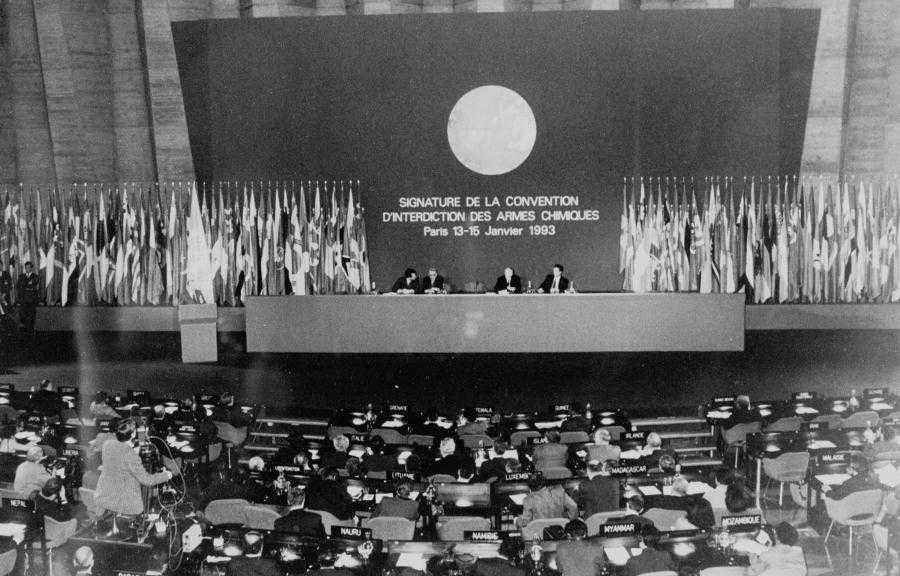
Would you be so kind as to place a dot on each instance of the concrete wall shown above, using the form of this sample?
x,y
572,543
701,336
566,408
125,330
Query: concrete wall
x,y
89,89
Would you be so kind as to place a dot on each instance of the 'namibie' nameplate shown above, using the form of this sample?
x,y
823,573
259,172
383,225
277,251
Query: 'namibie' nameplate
x,y
351,533
743,521
611,529
489,535
628,470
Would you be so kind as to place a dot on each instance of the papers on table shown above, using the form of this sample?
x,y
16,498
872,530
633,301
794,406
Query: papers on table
x,y
820,444
414,561
889,476
832,479
693,488
13,530
630,455
805,410
392,424
519,499
651,490
718,414
748,546
545,425
617,555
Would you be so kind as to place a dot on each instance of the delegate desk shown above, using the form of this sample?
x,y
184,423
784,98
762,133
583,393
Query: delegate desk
x,y
492,323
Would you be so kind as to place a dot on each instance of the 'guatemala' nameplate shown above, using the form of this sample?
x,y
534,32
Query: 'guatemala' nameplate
x,y
628,470
743,522
612,529
351,533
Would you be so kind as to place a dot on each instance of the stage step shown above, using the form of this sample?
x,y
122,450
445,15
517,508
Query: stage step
x,y
679,435
655,423
271,433
701,462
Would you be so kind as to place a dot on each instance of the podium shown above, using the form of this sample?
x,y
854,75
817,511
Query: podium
x,y
199,337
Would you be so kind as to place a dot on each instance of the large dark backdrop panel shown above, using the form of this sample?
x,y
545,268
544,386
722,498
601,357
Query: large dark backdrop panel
x,y
699,92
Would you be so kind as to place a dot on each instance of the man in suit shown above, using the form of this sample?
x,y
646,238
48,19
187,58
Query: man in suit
x,y
298,520
408,283
495,467
634,507
551,454
29,294
577,422
400,505
329,494
433,283
123,474
574,556
546,501
252,563
600,492
509,283
648,561
47,401
554,283
450,462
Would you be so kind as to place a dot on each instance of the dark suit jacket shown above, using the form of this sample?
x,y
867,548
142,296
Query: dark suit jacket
x,y
547,284
397,507
576,424
330,496
579,558
301,522
650,560
600,494
493,468
401,284
438,283
550,455
502,284
252,567
700,512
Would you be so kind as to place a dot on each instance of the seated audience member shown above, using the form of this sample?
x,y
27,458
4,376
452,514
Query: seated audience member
x,y
337,458
298,520
160,423
575,556
652,450
546,501
431,424
449,461
433,283
47,401
888,443
650,560
601,449
600,492
9,416
100,408
699,512
466,472
51,501
716,496
252,563
509,283
227,411
862,477
555,282
738,498
634,507
400,505
31,474
550,454
376,460
494,468
467,423
407,284
329,494
83,561
784,557
743,413
888,519
577,422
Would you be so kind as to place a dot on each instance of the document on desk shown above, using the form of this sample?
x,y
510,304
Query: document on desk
x,y
630,455
889,476
805,410
13,530
821,444
414,561
651,490
617,555
519,499
832,479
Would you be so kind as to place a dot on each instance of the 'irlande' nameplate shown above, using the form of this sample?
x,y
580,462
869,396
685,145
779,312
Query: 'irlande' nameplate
x,y
742,521
635,470
351,533
612,529
489,535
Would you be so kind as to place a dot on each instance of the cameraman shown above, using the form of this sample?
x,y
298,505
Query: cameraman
x,y
123,474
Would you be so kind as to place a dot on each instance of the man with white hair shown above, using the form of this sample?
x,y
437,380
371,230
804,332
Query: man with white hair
x,y
337,458
83,561
449,461
31,474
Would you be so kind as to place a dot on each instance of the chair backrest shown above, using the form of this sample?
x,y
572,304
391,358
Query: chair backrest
x,y
420,440
335,431
861,419
738,433
8,562
231,434
664,519
260,517
556,472
594,521
615,432
724,571
58,533
377,474
787,467
574,437
786,424
226,511
833,420
329,520
603,452
855,506
475,441
535,529
389,435
86,495
391,528
437,478
452,528
520,437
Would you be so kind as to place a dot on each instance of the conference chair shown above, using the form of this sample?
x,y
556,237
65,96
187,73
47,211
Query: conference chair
x,y
438,478
519,437
594,521
389,435
335,431
56,534
576,437
861,420
786,424
420,440
8,562
231,437
856,510
260,517
555,472
453,528
736,438
534,530
664,519
390,528
789,467
832,420
329,520
476,441
226,511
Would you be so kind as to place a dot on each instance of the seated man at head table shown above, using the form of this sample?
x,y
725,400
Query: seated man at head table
x,y
509,283
400,505
298,520
433,283
600,492
546,501
408,283
555,282
577,557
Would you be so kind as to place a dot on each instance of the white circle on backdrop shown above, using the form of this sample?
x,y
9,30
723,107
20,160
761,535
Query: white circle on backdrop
x,y
491,130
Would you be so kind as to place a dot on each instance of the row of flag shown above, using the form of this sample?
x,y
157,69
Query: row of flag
x,y
775,239
174,243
